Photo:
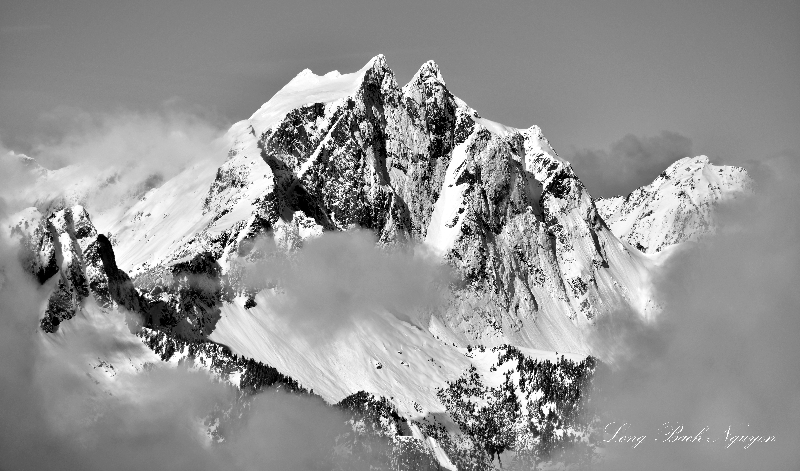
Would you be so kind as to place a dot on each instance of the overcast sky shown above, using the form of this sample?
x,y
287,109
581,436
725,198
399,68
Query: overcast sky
x,y
724,74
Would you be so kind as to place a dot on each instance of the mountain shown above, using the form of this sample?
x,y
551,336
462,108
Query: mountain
x,y
677,207
412,163
535,259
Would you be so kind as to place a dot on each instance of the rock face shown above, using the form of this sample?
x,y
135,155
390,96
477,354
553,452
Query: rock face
x,y
676,207
418,164
55,246
66,244
183,299
39,248
112,285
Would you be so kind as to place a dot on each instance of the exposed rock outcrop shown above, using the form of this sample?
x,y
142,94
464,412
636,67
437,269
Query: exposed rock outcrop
x,y
54,247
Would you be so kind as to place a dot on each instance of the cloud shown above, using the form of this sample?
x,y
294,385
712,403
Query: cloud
x,y
341,277
57,415
286,431
724,353
630,163
16,180
101,158
167,138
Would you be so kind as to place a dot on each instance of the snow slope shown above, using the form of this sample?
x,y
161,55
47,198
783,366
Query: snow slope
x,y
381,354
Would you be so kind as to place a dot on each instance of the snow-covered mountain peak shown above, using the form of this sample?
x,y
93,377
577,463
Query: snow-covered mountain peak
x,y
701,168
700,160
307,87
676,206
377,62
429,71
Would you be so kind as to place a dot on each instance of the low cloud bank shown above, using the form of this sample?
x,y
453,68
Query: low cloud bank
x,y
630,163
342,277
721,360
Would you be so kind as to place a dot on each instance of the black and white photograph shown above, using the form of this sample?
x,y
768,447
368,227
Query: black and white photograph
x,y
353,235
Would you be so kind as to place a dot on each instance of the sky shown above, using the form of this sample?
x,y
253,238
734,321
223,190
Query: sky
x,y
724,75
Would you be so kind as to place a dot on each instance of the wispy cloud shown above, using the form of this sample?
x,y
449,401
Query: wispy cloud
x,y
104,157
339,278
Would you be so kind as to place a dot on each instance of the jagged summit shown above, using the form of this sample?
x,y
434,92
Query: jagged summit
x,y
307,88
429,71
379,61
